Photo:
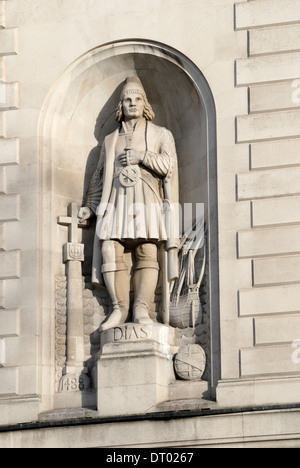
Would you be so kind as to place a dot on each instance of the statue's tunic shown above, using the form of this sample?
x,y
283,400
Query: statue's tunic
x,y
131,208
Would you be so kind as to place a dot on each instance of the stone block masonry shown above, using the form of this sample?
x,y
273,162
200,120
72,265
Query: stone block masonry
x,y
258,13
271,131
10,260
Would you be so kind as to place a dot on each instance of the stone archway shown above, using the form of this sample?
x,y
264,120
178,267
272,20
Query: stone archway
x,y
78,113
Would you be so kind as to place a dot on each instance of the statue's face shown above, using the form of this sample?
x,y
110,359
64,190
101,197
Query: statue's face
x,y
133,106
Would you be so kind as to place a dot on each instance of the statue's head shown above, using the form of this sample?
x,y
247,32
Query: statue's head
x,y
133,89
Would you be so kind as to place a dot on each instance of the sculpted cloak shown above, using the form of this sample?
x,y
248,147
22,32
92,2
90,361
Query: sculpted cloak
x,y
152,184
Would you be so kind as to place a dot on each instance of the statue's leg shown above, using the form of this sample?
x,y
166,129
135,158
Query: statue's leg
x,y
117,280
145,281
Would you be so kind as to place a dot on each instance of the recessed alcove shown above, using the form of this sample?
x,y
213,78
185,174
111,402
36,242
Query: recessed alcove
x,y
79,113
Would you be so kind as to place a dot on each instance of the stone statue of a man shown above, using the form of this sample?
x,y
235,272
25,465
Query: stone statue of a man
x,y
136,176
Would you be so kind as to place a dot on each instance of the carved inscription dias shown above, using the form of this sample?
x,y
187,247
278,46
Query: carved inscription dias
x,y
130,333
133,332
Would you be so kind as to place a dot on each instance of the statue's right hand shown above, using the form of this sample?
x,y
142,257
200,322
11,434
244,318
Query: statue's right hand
x,y
84,214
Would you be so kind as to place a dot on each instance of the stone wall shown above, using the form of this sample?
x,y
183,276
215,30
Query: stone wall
x,y
249,55
265,318
17,251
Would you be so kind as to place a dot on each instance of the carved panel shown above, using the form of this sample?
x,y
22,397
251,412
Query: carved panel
x,y
60,326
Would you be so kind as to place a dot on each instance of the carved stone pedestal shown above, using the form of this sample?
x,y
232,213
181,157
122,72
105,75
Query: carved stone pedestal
x,y
134,369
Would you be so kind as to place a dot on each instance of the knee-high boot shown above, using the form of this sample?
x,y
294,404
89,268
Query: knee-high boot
x,y
117,283
145,283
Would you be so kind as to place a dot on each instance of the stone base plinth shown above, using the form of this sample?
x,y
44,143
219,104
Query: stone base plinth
x,y
134,369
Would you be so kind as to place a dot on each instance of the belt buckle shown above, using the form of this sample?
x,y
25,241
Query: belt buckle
x,y
129,176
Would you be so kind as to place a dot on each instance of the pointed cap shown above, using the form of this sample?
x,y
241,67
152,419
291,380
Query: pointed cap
x,y
133,85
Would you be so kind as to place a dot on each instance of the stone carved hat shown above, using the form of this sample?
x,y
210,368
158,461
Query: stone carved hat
x,y
133,85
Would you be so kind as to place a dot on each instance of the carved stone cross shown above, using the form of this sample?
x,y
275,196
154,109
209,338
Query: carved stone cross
x,y
73,251
72,222
73,257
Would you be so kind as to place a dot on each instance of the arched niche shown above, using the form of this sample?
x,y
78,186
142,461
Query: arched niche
x,y
79,113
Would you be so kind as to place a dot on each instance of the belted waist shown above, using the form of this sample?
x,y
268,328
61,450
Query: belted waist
x,y
130,175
